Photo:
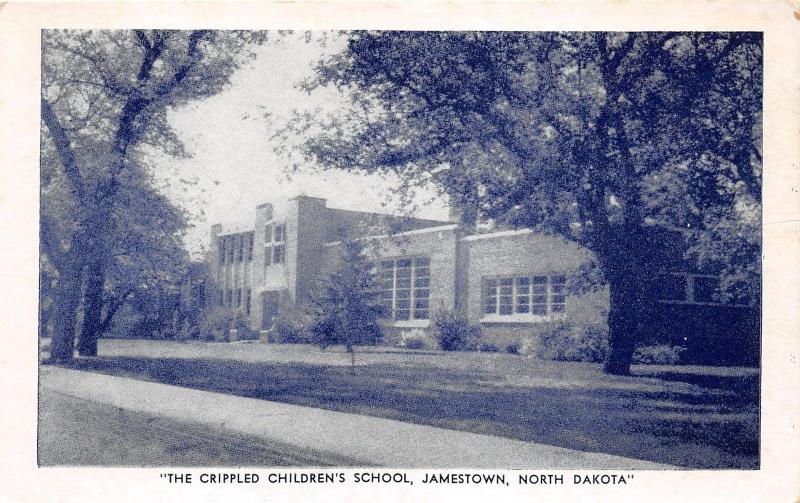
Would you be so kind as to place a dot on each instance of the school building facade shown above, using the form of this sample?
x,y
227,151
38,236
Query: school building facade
x,y
512,283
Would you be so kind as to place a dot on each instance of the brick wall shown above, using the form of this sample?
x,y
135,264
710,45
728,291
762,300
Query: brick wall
x,y
515,253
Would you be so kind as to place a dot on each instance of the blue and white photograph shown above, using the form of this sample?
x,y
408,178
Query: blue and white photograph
x,y
400,249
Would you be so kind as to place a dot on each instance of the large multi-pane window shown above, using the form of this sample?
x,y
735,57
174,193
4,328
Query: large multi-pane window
x,y
405,288
539,295
274,246
690,288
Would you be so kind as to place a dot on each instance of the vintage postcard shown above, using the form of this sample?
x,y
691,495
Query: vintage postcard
x,y
356,251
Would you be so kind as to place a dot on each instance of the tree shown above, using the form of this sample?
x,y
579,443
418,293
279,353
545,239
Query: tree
x,y
568,133
347,310
105,94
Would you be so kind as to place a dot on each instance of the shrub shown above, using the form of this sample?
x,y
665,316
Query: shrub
x,y
453,332
488,347
217,324
658,354
574,342
413,339
291,327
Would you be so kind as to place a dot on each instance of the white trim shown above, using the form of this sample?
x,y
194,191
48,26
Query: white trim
x,y
424,230
500,234
409,323
520,318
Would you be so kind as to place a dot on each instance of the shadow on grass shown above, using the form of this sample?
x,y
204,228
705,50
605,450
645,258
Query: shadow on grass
x,y
717,431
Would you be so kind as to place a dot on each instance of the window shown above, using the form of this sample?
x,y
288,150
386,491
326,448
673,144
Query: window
x,y
229,297
222,250
405,288
558,291
278,254
274,249
230,248
221,298
250,238
689,288
238,297
247,301
539,295
240,255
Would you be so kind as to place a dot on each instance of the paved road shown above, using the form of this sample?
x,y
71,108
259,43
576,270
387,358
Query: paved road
x,y
74,431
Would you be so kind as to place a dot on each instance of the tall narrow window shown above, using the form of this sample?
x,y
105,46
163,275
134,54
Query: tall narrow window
x,y
222,250
278,254
422,282
240,239
558,296
539,297
247,301
523,299
506,295
250,238
238,297
402,290
274,249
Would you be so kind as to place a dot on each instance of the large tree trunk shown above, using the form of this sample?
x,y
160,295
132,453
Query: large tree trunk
x,y
622,325
93,308
66,297
626,272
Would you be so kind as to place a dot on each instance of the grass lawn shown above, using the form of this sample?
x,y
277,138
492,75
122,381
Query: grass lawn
x,y
697,417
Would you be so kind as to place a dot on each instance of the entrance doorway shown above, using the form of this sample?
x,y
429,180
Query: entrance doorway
x,y
269,309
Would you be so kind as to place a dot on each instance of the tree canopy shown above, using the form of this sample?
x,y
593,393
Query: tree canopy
x,y
105,94
600,137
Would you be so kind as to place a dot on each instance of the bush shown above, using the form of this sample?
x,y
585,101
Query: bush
x,y
291,328
217,324
488,347
453,332
413,339
658,354
575,343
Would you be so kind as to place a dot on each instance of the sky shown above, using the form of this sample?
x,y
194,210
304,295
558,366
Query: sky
x,y
232,158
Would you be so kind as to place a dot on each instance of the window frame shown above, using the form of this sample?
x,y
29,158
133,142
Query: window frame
x,y
275,246
412,304
520,297
690,288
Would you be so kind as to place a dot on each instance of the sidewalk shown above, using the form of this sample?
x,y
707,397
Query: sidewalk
x,y
376,441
